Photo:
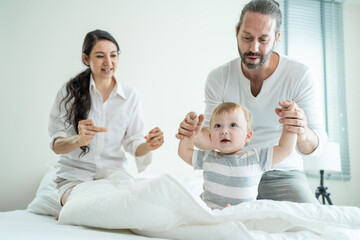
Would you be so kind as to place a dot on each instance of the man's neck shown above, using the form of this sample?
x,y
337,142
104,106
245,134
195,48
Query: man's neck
x,y
258,76
262,72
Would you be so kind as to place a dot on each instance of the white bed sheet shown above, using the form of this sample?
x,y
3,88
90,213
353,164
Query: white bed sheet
x,y
163,207
23,225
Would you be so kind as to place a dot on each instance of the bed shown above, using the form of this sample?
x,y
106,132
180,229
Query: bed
x,y
24,225
38,220
120,206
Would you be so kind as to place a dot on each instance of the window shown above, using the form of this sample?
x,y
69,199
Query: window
x,y
312,33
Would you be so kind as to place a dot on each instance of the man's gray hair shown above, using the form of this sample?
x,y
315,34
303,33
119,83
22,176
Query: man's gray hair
x,y
265,7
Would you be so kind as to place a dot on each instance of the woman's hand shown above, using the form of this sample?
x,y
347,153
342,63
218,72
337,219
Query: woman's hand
x,y
154,139
87,131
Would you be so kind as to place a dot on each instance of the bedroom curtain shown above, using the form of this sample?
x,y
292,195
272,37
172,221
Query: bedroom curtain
x,y
312,32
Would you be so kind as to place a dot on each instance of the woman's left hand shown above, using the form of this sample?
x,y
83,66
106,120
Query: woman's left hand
x,y
154,139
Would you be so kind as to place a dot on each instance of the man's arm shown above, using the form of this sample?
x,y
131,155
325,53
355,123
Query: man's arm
x,y
311,131
307,140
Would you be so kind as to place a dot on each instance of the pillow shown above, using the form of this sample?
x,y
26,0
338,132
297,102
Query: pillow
x,y
46,201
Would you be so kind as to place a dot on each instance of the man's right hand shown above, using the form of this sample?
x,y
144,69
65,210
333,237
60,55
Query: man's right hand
x,y
190,126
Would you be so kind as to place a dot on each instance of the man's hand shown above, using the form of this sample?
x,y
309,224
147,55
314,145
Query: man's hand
x,y
293,117
190,126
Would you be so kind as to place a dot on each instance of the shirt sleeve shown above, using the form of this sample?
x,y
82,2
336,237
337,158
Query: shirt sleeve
x,y
214,88
265,156
308,99
58,126
198,159
134,135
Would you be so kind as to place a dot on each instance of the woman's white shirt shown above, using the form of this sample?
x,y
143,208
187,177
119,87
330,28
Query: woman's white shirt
x,y
121,114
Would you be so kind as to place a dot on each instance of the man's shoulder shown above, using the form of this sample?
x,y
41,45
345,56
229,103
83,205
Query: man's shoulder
x,y
287,63
235,63
221,73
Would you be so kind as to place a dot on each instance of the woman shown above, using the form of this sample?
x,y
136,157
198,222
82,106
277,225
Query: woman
x,y
94,117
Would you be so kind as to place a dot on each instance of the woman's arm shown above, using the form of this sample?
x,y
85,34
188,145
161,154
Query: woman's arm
x,y
63,145
87,131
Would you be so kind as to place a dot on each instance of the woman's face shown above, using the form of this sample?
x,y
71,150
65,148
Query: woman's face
x,y
103,60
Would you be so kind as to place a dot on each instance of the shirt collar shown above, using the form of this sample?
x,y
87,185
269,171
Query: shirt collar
x,y
117,89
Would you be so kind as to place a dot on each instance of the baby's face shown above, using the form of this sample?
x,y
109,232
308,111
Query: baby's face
x,y
229,132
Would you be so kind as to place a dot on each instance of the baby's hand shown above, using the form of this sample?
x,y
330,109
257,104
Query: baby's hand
x,y
288,105
192,118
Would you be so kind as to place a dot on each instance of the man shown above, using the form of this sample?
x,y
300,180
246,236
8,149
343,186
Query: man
x,y
258,80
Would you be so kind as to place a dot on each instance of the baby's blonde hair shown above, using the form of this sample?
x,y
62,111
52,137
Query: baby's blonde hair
x,y
227,107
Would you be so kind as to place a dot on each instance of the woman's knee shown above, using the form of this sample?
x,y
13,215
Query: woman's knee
x,y
66,195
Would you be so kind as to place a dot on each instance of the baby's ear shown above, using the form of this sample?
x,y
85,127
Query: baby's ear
x,y
248,136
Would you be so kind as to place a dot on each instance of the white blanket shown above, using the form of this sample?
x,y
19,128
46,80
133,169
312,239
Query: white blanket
x,y
163,207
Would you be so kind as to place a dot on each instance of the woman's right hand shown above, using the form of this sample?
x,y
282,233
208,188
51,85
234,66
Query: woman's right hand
x,y
87,131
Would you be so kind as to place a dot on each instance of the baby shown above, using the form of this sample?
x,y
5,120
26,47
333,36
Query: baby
x,y
232,176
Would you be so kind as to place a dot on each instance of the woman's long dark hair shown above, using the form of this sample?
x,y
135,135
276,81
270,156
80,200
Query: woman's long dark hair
x,y
77,100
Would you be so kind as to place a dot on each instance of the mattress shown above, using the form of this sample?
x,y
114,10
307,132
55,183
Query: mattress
x,y
24,225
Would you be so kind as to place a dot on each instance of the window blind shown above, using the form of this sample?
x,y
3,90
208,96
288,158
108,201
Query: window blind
x,y
313,34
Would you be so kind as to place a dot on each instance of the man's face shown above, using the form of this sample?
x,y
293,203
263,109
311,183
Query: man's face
x,y
256,39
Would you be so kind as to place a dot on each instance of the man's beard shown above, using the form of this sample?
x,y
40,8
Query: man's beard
x,y
253,66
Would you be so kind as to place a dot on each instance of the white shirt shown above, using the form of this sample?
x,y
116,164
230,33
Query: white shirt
x,y
120,114
291,80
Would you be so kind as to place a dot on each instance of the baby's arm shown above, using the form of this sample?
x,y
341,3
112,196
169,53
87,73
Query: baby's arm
x,y
186,145
287,141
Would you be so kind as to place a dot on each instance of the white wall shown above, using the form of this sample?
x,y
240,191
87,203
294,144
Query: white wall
x,y
168,48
